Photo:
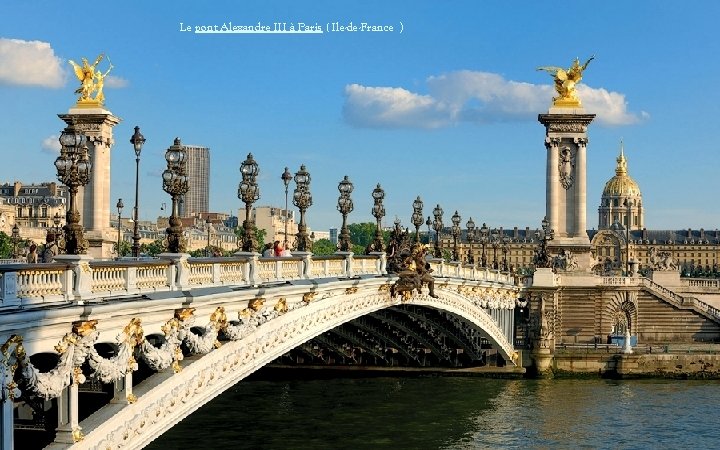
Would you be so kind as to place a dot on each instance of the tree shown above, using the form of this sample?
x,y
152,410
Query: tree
x,y
125,248
362,234
154,248
323,247
260,235
6,246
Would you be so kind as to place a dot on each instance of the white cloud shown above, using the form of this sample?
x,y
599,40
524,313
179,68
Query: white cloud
x,y
475,97
30,63
115,82
51,145
392,107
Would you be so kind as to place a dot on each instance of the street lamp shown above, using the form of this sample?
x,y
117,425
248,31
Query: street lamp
x,y
15,238
73,170
542,258
455,229
505,249
249,192
175,183
207,225
137,140
483,240
417,217
378,211
286,177
428,222
345,206
495,244
302,199
437,226
629,204
119,207
470,225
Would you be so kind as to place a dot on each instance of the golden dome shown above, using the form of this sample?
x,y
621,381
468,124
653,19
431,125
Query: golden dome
x,y
621,185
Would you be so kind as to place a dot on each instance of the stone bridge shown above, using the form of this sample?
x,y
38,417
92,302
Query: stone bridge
x,y
196,326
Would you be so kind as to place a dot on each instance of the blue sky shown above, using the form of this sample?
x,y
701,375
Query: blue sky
x,y
447,109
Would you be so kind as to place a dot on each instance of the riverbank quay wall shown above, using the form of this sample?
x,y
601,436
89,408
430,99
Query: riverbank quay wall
x,y
610,362
570,309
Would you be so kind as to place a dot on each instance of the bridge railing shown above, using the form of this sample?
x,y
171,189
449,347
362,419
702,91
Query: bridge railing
x,y
469,272
80,279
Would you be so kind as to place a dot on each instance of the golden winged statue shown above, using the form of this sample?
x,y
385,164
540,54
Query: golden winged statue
x,y
91,81
565,81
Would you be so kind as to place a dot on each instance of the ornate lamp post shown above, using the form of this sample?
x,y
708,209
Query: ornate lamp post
x,y
286,177
137,140
455,229
73,170
378,211
542,258
175,183
207,225
119,207
470,225
629,204
345,206
249,192
15,238
505,249
302,199
495,244
483,240
437,226
428,222
417,217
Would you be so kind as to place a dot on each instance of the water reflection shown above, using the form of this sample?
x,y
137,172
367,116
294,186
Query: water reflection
x,y
453,413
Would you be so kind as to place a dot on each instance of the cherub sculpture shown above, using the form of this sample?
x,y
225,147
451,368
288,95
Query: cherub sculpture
x,y
566,80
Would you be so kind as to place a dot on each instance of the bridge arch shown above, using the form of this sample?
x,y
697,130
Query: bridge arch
x,y
167,397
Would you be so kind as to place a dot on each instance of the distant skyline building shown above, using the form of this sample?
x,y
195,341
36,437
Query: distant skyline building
x,y
197,199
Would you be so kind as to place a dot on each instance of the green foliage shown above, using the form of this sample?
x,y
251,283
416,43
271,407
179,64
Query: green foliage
x,y
125,248
260,235
6,246
362,234
154,248
323,247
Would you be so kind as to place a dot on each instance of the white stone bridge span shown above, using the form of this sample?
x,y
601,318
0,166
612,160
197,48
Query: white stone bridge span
x,y
162,337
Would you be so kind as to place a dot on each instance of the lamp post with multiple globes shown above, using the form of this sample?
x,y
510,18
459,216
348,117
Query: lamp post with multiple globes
x,y
345,206
378,211
302,199
175,183
249,192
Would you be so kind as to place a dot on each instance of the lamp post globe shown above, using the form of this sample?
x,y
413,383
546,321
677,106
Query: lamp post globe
x,y
137,140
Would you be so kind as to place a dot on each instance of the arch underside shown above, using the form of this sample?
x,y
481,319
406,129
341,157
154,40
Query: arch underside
x,y
166,398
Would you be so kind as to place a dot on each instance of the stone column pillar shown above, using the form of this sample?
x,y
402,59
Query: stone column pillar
x,y
581,187
552,182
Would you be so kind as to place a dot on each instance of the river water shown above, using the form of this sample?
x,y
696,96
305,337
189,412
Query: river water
x,y
454,413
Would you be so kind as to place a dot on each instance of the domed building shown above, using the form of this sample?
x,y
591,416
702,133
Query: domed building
x,y
621,199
